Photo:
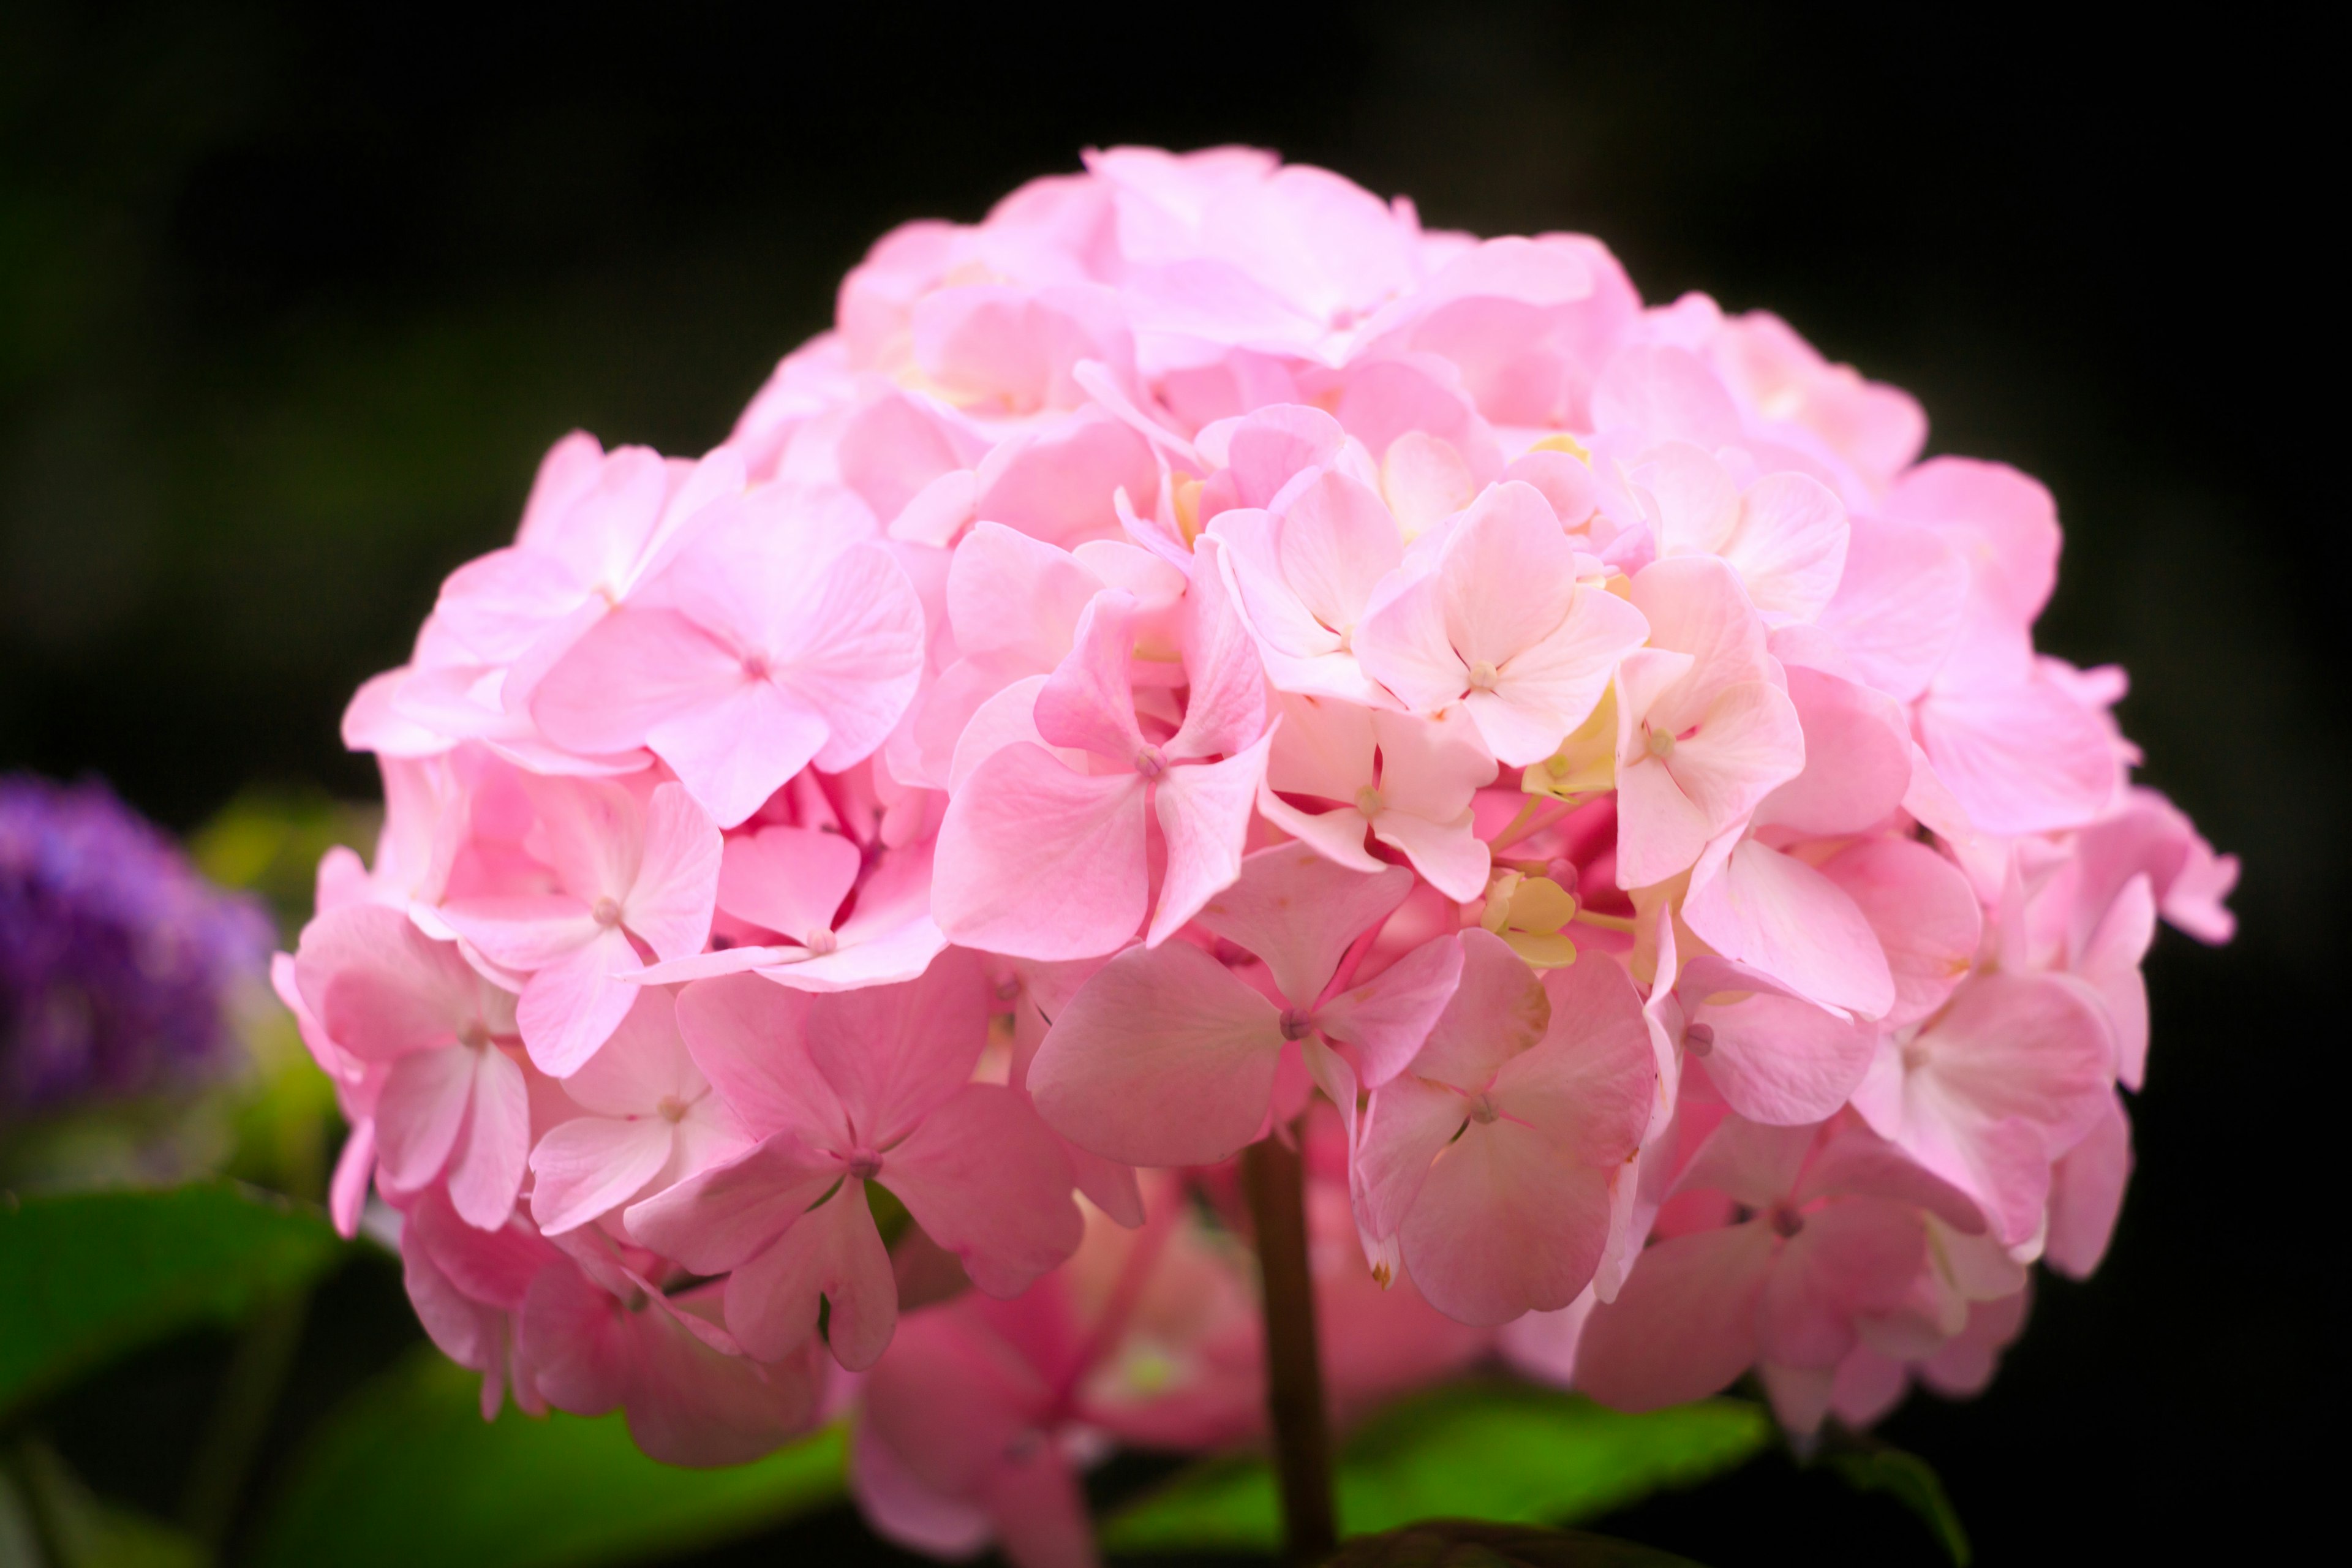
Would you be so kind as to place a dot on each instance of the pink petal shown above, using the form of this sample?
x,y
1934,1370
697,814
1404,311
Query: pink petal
x,y
1497,1010
1685,1325
1508,1221
523,931
1163,1058
1505,572
1088,702
1204,814
1790,547
1927,919
571,1006
1552,685
1299,912
380,987
734,750
1586,1084
834,1253
693,1404
746,1037
2004,522
1854,1256
631,672
1783,1061
2110,962
354,1169
2021,759
1037,861
589,1165
1666,393
714,1220
1857,759
1408,1121
1749,741
788,880
985,1180
1387,1017
591,834
1225,707
1779,915
677,881
1335,544
2086,1195
486,1169
419,1114
1449,855
1403,645
892,1053
1898,605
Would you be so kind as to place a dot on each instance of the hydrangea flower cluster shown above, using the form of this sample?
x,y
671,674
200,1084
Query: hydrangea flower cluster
x,y
119,964
1194,657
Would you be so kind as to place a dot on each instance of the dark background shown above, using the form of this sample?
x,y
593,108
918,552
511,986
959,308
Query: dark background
x,y
292,298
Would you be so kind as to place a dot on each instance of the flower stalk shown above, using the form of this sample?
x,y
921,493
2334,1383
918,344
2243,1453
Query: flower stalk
x,y
1274,1177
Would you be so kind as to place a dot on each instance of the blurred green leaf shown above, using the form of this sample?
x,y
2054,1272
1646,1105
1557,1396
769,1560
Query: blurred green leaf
x,y
86,1276
80,1530
408,1473
1910,1480
269,841
1470,1543
1505,1452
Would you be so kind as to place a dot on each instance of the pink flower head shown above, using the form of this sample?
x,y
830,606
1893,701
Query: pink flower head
x,y
845,1089
1168,1057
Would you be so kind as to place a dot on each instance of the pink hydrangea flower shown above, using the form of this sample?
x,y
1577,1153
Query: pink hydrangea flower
x,y
1194,658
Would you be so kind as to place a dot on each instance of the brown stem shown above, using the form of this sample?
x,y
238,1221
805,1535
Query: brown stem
x,y
1272,1172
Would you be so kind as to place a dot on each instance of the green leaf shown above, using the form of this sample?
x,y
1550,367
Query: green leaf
x,y
1911,1482
1469,1543
46,1500
1505,1452
408,1473
85,1276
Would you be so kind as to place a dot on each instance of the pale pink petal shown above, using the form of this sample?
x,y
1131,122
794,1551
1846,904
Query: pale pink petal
x,y
1403,645
354,1169
1685,1325
586,1166
1552,685
1449,855
1783,1061
985,1180
1088,701
854,654
573,1007
677,881
1857,759
420,1113
1926,916
1299,912
380,987
1497,1010
892,1053
1586,1084
788,880
574,1337
833,1252
1204,814
1898,605
734,750
591,834
714,1220
1163,1058
1336,542
1387,1017
878,956
1749,741
1037,861
1407,1121
1666,393
1324,749
631,672
1790,547
2086,1195
1777,914
1225,707
1508,1221
486,1168
2021,759
2005,523
745,1035
1505,571
523,931
1337,836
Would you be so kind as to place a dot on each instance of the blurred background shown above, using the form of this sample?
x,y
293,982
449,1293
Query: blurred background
x,y
292,298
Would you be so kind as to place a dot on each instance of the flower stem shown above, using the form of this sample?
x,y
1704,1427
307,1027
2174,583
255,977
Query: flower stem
x,y
1274,1178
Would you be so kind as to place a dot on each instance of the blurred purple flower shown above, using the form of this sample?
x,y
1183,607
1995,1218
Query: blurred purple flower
x,y
118,962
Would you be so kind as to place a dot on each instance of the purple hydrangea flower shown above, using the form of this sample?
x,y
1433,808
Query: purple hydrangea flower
x,y
118,961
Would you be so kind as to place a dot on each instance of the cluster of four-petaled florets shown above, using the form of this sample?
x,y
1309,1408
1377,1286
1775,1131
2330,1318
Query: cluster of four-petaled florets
x,y
1192,647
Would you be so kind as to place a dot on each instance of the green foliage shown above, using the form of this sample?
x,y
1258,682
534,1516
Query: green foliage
x,y
408,1473
1496,1451
49,1515
85,1276
1910,1480
269,842
1467,1543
